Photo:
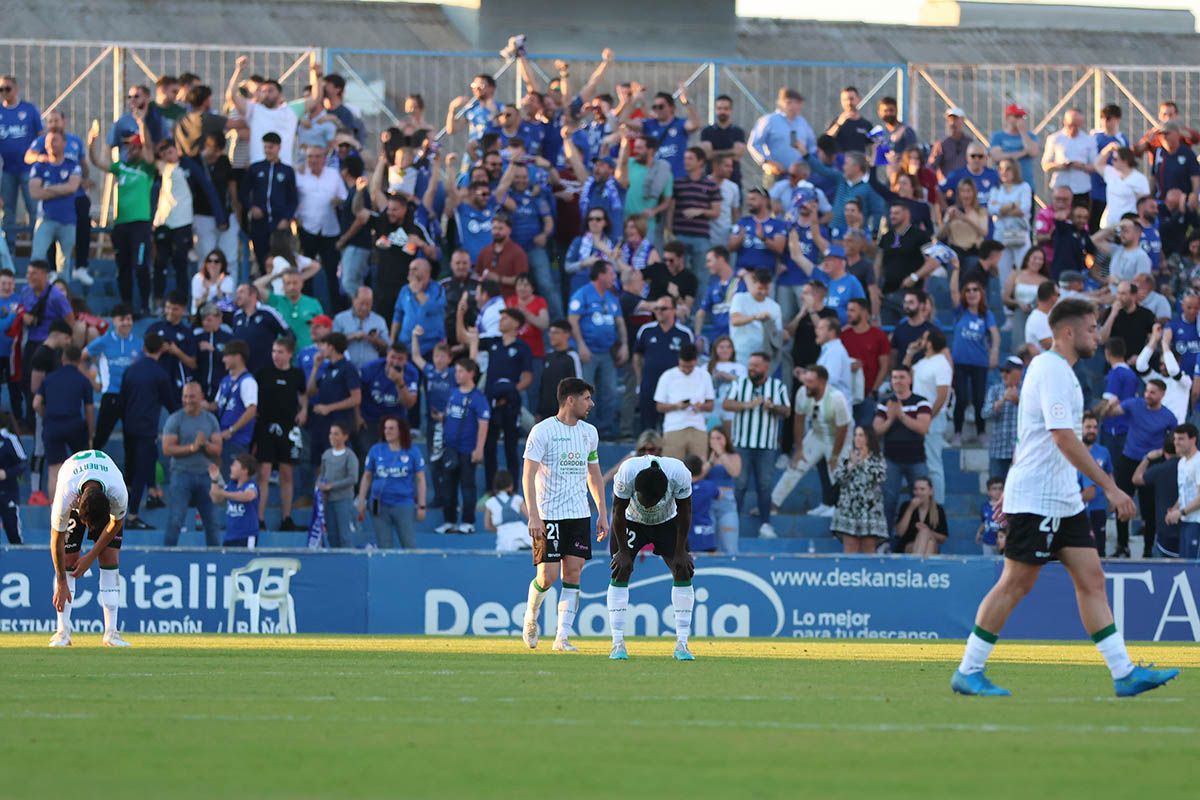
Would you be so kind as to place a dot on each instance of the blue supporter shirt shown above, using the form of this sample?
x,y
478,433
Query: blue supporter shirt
x,y
19,126
703,535
380,395
984,183
479,118
394,474
1104,459
305,360
672,141
259,331
971,344
8,315
474,227
464,412
113,356
438,385
1013,143
532,133
990,527
506,362
527,217
1174,170
1121,384
754,253
841,292
1185,344
182,336
57,209
793,275
598,317
335,385
1146,427
716,300
231,406
72,148
1099,187
430,315
241,519
1151,244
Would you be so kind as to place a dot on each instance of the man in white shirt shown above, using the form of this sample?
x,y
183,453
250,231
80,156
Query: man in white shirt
x,y
1037,324
749,314
321,191
1045,515
1186,512
821,434
266,113
834,357
684,396
932,378
731,199
1069,156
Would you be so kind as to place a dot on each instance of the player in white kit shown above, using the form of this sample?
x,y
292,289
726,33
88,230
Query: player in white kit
x,y
561,465
652,504
1045,511
89,498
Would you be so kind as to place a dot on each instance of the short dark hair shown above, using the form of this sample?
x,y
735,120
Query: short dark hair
x,y
236,347
699,153
121,310
491,286
720,251
488,79
1188,430
651,485
515,314
937,339
93,506
1090,415
828,144
336,80
71,354
694,465
572,387
561,325
1115,347
502,481
1046,290
152,343
1111,111
688,353
250,464
864,304
724,97
598,269
888,100
818,370
39,263
177,298
1071,309
337,341
470,366
989,246
287,343
198,94
995,479
675,248
353,165
762,276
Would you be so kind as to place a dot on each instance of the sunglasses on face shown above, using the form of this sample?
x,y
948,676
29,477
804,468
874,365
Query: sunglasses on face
x,y
975,155
5,89
658,106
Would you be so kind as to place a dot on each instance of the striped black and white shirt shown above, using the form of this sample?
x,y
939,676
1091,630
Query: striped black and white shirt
x,y
756,427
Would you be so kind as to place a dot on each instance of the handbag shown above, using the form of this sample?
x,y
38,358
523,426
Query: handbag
x,y
1015,234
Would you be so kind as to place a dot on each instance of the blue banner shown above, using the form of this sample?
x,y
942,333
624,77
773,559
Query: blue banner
x,y
272,591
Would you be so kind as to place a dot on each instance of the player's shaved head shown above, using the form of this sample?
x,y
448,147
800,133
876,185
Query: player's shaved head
x,y
650,485
94,508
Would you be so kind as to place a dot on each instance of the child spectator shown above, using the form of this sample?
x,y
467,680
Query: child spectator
x,y
336,481
505,514
989,529
240,494
703,536
439,382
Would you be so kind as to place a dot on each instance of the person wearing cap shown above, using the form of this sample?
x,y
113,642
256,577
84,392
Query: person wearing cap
x,y
1015,141
1175,165
270,197
132,232
1000,407
600,187
780,138
1108,133
841,287
1069,156
295,308
266,114
258,325
951,152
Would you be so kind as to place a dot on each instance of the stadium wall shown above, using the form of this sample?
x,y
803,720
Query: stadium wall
x,y
195,591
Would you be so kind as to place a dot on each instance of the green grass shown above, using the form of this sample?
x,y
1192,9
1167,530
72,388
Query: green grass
x,y
298,717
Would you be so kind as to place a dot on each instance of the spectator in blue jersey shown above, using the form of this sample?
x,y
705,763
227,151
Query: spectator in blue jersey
x,y
671,131
974,350
146,392
1015,141
258,325
1149,420
480,111
393,486
473,209
1175,165
421,303
987,536
64,401
269,196
594,246
467,421
365,330
597,325
236,405
529,209
334,389
43,305
655,351
74,150
389,389
1109,133
636,250
600,188
1120,384
807,240
13,464
852,183
840,286
240,496
1096,504
179,343
758,238
782,137
977,170
210,340
112,354
438,374
336,481
21,122
1150,241
54,183
9,311
142,114
696,202
714,305
1185,339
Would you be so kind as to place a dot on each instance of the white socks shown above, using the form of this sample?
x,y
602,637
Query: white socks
x,y
979,646
1111,645
534,602
618,604
683,598
64,616
567,604
110,596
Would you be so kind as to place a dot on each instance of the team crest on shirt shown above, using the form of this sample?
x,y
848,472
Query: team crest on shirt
x,y
1182,160
279,178
21,116
63,173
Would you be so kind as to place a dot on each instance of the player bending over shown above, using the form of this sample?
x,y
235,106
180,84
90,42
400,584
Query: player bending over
x,y
89,497
561,465
1045,511
652,504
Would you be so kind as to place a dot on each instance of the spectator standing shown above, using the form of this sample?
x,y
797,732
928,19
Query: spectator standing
x,y
143,118
670,130
1185,338
591,247
10,312
240,496
834,357
64,400
1010,205
1108,133
210,340
1123,183
656,351
696,202
1126,258
366,331
466,428
259,325
43,304
267,115
1186,511
1120,385
649,184
636,251
975,350
684,395
1159,472
852,184
755,320
758,238
397,242
504,260
394,479
22,122
1037,325
724,139
782,137
320,191
559,363
899,137
933,377
212,283
858,520
191,439
1147,297
901,261
217,227
1174,164
295,308
916,321
509,374
278,429
951,152
1128,321
1015,142
335,387
236,405
439,382
46,359
113,353
821,427
870,353
421,303
1149,421
671,278
984,178
851,129
1096,502
54,183
724,465
270,196
718,296
132,232
74,150
390,389
1069,156
1000,406
336,480
473,209
902,421
758,402
354,241
595,317
841,287
533,224
731,199
146,391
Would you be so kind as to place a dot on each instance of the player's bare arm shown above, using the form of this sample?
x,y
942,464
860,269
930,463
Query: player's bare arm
x,y
622,561
114,527
58,554
537,528
1077,454
596,485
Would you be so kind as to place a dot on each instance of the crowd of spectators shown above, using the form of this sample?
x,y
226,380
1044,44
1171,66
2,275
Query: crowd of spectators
x,y
322,298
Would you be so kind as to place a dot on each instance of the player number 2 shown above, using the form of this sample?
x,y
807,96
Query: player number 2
x,y
631,537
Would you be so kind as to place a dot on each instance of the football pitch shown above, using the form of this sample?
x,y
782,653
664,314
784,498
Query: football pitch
x,y
324,716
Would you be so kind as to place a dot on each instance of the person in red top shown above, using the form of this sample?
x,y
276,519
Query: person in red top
x,y
868,345
1148,145
504,260
533,332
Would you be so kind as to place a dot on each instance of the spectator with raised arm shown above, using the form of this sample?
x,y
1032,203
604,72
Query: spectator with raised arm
x,y
266,114
529,207
648,181
479,110
132,231
782,137
670,130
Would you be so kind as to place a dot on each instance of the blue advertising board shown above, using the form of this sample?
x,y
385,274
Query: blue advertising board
x,y
460,593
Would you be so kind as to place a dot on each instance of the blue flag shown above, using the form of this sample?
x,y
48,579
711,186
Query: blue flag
x,y
316,528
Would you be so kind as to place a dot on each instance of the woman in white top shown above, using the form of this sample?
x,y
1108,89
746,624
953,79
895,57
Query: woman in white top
x,y
1122,182
724,369
282,257
1010,205
1020,292
212,283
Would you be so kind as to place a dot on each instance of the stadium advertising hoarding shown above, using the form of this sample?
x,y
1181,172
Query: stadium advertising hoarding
x,y
190,591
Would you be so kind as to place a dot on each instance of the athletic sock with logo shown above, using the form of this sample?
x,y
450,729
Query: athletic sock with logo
x,y
1111,645
64,616
536,595
618,603
110,596
566,610
979,646
683,598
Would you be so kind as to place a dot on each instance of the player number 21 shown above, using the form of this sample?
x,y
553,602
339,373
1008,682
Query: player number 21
x,y
552,531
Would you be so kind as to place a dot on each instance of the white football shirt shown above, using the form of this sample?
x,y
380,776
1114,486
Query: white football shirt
x,y
563,453
1189,485
679,487
84,466
1041,480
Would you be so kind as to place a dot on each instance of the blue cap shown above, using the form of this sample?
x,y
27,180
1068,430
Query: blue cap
x,y
803,196
606,160
835,251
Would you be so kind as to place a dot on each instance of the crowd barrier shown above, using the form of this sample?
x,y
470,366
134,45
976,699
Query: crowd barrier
x,y
199,591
